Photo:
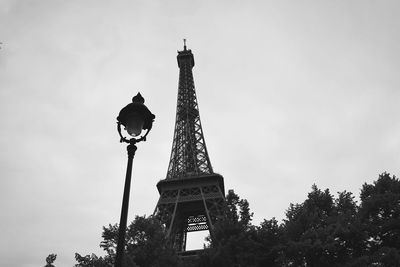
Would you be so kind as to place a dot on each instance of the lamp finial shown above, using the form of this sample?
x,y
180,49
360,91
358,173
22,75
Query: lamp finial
x,y
138,98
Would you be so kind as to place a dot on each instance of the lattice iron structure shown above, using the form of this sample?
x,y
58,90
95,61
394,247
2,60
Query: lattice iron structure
x,y
191,195
189,155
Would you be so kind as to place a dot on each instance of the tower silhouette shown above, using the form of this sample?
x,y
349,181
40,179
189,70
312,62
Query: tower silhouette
x,y
191,195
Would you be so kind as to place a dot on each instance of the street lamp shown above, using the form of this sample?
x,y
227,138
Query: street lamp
x,y
135,118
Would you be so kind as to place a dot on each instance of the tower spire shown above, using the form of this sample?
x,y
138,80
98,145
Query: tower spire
x,y
184,44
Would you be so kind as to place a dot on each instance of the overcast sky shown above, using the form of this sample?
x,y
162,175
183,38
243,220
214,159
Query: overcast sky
x,y
290,93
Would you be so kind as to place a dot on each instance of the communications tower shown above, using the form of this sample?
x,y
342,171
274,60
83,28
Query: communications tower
x,y
191,195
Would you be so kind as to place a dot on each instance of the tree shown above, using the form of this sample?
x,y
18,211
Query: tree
x,y
308,230
380,216
323,230
93,261
232,237
50,260
347,229
146,246
268,251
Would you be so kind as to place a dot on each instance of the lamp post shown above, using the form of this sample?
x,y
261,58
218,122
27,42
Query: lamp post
x,y
135,118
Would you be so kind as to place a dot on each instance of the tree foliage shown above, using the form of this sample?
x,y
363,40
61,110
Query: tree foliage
x,y
324,230
145,246
232,235
50,260
380,216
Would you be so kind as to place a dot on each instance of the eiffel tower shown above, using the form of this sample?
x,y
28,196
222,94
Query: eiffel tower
x,y
191,195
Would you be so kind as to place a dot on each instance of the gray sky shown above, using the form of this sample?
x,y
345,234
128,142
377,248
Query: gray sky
x,y
291,93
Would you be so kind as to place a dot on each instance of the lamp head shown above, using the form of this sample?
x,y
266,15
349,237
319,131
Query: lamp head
x,y
135,117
